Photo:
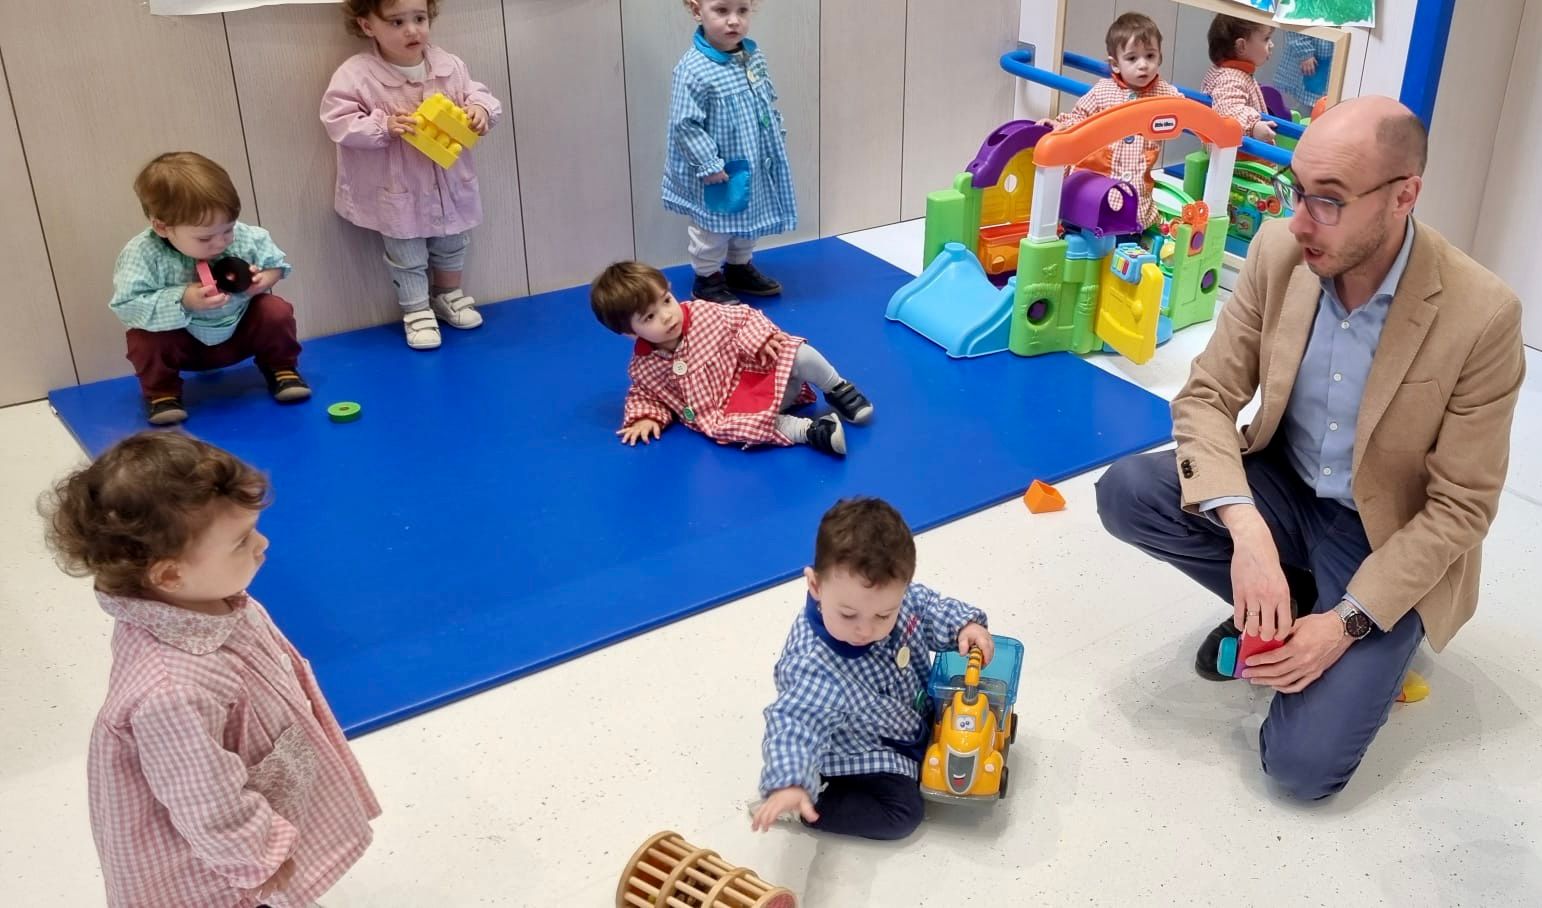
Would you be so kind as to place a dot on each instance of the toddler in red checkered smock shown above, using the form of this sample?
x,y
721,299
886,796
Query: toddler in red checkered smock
x,y
1134,45
217,774
1237,48
724,370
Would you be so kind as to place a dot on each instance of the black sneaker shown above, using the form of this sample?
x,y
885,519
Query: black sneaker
x,y
748,280
850,403
166,411
287,386
828,435
713,288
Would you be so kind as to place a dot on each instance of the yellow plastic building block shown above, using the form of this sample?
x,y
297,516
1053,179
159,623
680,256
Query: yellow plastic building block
x,y
443,130
1415,688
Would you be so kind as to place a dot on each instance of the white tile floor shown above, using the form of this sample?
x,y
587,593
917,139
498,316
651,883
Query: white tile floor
x,y
1134,782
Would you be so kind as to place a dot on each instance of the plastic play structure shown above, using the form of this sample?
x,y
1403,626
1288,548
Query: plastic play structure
x,y
669,871
975,725
1015,217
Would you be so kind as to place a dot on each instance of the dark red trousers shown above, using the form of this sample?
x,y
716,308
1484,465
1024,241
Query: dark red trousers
x,y
265,333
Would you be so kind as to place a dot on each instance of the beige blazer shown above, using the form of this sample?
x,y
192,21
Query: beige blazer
x,y
1433,439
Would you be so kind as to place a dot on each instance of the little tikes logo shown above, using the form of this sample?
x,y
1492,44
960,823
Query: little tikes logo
x,y
1162,125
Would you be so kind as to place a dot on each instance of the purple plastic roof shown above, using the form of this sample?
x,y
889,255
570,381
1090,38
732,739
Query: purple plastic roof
x,y
1000,147
1084,203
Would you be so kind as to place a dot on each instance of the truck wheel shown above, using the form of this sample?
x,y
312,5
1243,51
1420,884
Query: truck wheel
x,y
1012,734
1002,791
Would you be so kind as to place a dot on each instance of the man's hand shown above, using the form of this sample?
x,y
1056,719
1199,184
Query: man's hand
x,y
644,429
1260,595
720,177
972,635
197,298
1316,643
784,800
1309,66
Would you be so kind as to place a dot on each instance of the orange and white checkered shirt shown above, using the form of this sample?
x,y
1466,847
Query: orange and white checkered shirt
x,y
1235,93
716,358
1131,158
214,761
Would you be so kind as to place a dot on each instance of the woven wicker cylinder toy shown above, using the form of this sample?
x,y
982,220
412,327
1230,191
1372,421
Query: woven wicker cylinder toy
x,y
669,872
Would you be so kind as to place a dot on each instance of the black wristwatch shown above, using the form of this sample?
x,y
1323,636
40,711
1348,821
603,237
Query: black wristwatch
x,y
1356,623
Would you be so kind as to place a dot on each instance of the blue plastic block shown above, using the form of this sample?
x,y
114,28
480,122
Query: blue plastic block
x,y
733,195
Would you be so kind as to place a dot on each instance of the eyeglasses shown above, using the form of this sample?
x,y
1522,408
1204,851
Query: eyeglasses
x,y
1324,210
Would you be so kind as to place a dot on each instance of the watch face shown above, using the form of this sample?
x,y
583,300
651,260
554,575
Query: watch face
x,y
1357,624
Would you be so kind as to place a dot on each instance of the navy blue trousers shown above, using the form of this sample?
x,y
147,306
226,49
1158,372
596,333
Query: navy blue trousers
x,y
1312,741
880,805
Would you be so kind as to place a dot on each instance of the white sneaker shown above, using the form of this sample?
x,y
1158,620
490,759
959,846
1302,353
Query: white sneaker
x,y
456,308
422,329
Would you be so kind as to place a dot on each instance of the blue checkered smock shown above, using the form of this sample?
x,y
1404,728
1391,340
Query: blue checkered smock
x,y
722,108
845,710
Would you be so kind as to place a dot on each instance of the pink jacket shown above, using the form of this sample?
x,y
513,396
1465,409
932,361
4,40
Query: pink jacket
x,y
384,184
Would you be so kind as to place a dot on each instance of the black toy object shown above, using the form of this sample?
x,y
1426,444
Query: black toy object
x,y
231,274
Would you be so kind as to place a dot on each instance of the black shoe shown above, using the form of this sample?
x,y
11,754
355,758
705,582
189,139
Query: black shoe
x,y
850,403
287,386
828,435
1205,658
713,288
748,280
166,411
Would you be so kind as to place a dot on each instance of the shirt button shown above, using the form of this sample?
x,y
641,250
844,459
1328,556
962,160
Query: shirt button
x,y
1333,427
679,367
1327,471
1343,324
1338,376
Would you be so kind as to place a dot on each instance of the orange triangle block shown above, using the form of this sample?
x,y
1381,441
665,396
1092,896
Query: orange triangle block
x,y
1042,498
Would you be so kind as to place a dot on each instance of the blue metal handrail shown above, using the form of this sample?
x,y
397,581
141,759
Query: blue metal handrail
x,y
1287,128
1020,63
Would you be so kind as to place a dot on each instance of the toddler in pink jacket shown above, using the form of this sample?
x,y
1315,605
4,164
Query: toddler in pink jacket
x,y
421,210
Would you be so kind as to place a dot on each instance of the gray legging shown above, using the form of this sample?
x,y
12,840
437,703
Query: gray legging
x,y
808,366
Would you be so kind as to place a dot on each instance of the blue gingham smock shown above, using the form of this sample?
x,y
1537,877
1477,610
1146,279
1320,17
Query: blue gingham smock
x,y
151,275
843,710
722,108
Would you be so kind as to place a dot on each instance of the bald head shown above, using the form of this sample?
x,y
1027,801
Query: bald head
x,y
1378,125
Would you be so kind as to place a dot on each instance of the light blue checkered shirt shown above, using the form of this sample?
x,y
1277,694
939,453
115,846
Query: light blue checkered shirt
x,y
844,710
722,108
151,275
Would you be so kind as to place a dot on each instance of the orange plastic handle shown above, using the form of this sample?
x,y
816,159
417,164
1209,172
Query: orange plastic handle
x,y
1157,119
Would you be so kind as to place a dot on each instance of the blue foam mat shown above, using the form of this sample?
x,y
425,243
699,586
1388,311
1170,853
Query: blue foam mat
x,y
482,522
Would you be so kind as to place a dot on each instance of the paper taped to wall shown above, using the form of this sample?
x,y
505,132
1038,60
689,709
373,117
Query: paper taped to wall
x,y
198,7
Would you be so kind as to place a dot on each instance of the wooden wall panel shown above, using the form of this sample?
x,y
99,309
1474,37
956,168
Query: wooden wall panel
x,y
283,57
34,352
568,100
656,33
135,85
955,89
862,112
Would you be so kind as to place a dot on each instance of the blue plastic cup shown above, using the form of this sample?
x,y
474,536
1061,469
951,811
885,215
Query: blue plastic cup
x,y
733,195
